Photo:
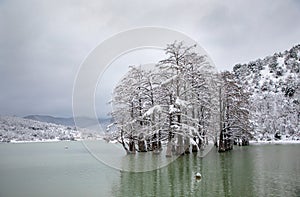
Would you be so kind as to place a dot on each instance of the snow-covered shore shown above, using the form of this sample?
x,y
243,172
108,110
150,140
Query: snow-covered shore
x,y
34,141
254,142
51,140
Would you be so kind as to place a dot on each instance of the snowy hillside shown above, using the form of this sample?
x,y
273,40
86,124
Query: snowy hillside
x,y
276,73
275,101
19,129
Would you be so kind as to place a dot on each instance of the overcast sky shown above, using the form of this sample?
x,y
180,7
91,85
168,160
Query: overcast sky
x,y
42,43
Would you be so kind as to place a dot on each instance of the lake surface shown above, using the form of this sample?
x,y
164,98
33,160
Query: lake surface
x,y
48,169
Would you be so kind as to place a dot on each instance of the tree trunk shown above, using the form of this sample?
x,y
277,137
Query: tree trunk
x,y
170,135
131,146
187,145
159,140
194,146
179,148
148,141
200,143
222,143
123,143
142,144
154,142
169,149
221,139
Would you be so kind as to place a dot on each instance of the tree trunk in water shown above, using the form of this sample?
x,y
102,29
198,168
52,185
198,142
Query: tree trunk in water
x,y
200,142
179,148
170,135
221,142
142,145
169,149
159,141
245,142
131,146
149,146
154,142
221,146
221,139
216,143
194,146
187,145
123,143
169,145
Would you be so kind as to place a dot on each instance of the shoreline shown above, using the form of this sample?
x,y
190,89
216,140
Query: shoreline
x,y
274,142
45,141
36,141
251,142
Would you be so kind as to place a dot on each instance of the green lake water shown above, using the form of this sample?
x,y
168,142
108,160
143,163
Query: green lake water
x,y
49,169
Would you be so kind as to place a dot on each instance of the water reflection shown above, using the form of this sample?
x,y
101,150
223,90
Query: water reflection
x,y
145,161
247,171
113,155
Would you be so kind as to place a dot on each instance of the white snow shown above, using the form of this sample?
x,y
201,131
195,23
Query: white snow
x,y
280,61
181,103
193,142
260,142
173,109
156,108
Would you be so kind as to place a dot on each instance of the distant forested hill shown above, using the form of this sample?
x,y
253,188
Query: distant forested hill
x,y
69,121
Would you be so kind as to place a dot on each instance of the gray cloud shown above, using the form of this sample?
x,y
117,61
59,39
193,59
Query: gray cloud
x,y
42,43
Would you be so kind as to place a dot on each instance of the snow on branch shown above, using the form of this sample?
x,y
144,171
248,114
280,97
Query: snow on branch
x,y
181,103
173,109
156,108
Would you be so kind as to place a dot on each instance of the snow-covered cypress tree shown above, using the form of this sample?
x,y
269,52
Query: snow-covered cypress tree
x,y
234,113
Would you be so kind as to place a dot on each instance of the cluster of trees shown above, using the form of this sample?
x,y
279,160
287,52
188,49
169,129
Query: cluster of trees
x,y
181,103
275,102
